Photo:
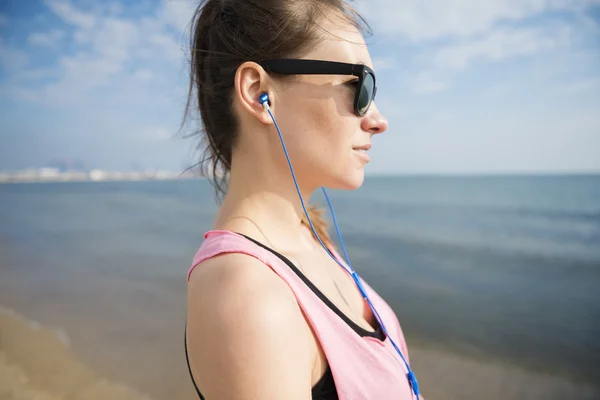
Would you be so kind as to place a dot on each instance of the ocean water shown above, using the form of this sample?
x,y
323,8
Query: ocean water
x,y
502,268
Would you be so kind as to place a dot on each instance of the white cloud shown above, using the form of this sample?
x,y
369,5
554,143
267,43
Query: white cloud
x,y
167,46
143,74
80,74
115,38
106,55
454,34
177,13
69,14
383,63
75,77
427,82
499,45
419,20
46,39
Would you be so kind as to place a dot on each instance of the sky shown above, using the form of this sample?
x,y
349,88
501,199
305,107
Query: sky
x,y
468,87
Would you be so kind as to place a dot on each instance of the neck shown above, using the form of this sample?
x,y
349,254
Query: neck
x,y
262,202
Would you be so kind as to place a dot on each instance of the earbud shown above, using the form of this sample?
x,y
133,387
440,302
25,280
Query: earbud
x,y
264,98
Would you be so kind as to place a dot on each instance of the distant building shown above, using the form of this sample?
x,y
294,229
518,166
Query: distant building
x,y
97,175
48,173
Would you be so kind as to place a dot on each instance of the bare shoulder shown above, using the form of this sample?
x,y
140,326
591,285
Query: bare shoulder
x,y
227,284
247,337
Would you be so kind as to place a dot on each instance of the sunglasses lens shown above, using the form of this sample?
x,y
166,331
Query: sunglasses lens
x,y
366,94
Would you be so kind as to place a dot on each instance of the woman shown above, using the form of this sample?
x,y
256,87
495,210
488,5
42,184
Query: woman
x,y
270,314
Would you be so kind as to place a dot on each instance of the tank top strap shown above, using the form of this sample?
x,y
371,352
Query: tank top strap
x,y
218,242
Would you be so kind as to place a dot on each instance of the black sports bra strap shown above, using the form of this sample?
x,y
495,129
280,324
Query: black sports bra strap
x,y
187,360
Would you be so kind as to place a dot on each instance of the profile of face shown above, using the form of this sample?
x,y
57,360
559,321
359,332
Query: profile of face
x,y
317,119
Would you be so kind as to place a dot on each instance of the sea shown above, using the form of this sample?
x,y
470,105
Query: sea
x,y
497,268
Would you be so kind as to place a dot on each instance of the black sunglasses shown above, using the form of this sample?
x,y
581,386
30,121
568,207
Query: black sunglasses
x,y
365,88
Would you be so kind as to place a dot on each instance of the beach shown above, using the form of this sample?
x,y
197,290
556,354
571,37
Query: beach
x,y
494,283
35,364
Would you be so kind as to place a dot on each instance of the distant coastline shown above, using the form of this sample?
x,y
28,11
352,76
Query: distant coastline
x,y
96,175
54,175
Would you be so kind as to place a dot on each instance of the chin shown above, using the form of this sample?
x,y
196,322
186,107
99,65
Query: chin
x,y
351,181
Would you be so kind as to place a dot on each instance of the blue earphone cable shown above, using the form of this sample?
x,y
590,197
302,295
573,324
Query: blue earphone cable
x,y
264,100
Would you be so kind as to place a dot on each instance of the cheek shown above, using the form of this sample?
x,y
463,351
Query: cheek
x,y
319,135
330,133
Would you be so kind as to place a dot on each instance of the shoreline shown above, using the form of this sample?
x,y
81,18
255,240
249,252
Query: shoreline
x,y
37,363
128,176
89,180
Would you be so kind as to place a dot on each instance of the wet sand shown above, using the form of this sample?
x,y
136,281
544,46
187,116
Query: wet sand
x,y
37,363
447,376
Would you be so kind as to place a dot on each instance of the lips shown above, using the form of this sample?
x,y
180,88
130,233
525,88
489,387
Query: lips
x,y
361,151
364,147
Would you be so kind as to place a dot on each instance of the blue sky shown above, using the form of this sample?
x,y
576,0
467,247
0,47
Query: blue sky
x,y
483,86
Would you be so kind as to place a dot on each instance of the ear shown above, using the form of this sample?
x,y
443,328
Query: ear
x,y
250,82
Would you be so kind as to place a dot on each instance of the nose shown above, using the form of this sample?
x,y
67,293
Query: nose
x,y
373,121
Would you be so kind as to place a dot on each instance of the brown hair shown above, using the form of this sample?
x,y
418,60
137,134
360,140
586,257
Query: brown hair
x,y
226,33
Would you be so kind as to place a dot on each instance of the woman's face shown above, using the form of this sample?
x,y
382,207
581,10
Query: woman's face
x,y
317,119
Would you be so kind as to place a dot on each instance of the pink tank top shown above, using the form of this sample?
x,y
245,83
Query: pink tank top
x,y
363,367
